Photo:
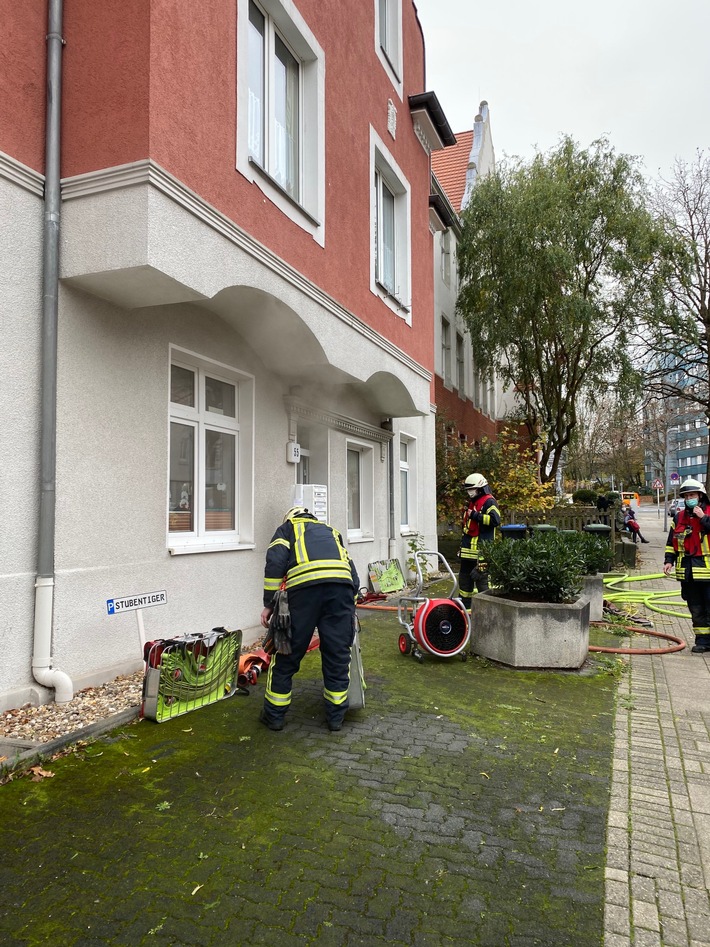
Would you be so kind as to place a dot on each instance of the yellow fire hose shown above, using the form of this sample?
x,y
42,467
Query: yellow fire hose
x,y
653,599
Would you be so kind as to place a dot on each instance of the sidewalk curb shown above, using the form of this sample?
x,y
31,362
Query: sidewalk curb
x,y
28,757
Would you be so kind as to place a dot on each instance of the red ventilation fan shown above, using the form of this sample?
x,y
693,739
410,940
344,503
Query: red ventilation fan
x,y
438,626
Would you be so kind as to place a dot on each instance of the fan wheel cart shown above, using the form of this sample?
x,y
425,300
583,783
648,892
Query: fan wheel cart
x,y
189,671
438,626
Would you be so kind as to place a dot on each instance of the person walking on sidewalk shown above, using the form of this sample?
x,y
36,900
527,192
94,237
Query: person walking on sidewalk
x,y
321,585
688,554
632,525
480,518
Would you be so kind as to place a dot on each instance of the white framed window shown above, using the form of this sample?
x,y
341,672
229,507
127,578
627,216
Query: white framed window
x,y
388,39
360,490
391,260
477,387
460,368
210,492
445,244
385,243
274,103
281,110
407,483
445,350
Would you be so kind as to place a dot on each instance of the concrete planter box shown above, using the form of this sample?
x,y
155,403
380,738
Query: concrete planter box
x,y
530,634
593,589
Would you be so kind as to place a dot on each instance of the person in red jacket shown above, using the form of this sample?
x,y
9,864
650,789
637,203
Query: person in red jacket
x,y
480,518
632,525
688,555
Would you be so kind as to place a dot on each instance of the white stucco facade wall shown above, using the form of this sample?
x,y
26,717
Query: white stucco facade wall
x,y
163,275
20,305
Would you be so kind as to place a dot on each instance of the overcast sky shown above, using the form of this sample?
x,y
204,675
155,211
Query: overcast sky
x,y
636,71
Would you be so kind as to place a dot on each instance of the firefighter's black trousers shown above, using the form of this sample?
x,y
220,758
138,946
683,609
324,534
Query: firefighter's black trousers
x,y
470,578
697,598
329,606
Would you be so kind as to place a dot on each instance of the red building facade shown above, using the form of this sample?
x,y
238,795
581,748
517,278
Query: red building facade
x,y
245,302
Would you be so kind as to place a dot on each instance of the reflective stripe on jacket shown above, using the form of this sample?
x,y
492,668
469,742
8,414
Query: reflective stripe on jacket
x,y
688,547
304,550
474,530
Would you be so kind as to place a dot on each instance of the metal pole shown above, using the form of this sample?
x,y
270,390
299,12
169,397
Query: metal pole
x,y
670,428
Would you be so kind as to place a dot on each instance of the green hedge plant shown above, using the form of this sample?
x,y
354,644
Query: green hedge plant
x,y
548,567
585,497
594,551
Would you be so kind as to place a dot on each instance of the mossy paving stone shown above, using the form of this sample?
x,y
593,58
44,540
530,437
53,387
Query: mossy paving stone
x,y
467,803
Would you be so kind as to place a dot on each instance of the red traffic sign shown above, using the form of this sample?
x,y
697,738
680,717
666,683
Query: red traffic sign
x,y
657,484
675,478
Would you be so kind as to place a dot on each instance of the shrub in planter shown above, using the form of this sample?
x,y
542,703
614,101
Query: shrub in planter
x,y
594,551
535,615
544,568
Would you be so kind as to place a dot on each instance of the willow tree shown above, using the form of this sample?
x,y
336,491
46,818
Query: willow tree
x,y
558,257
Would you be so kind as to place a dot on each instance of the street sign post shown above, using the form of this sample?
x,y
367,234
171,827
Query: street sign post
x,y
657,485
136,603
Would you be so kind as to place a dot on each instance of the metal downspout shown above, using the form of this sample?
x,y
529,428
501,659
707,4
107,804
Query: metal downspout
x,y
392,540
42,668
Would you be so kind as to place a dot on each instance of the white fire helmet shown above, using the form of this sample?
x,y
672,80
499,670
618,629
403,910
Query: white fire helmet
x,y
691,486
475,481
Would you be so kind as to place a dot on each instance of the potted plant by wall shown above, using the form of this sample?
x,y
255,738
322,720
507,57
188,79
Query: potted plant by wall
x,y
534,615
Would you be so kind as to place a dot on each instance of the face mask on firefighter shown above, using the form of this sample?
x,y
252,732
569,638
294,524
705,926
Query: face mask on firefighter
x,y
691,501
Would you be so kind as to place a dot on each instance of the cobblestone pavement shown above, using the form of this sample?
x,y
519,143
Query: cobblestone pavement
x,y
658,859
467,805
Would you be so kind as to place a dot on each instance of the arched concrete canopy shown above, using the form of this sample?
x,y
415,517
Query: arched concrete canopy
x,y
289,347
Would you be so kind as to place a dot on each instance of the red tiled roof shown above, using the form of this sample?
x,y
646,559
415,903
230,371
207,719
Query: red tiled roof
x,y
450,165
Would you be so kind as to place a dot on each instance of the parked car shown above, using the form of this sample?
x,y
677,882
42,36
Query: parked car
x,y
675,505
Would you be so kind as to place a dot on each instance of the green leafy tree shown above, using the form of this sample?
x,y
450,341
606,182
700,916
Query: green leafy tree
x,y
510,468
676,345
558,257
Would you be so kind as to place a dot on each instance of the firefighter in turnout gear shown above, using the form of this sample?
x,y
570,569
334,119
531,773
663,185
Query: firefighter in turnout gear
x,y
321,584
688,555
480,519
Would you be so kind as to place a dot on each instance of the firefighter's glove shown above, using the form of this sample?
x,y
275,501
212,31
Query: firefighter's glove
x,y
280,624
476,516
